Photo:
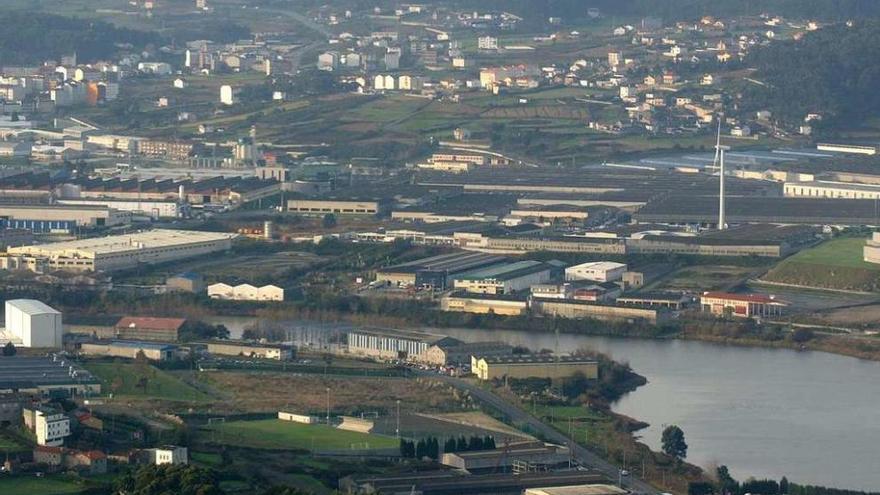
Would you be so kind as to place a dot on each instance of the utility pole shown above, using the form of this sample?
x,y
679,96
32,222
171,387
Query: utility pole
x,y
328,406
397,430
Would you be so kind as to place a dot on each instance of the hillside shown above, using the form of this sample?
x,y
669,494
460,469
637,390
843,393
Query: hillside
x,y
836,264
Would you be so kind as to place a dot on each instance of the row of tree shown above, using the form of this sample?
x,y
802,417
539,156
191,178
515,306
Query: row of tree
x,y
727,485
430,447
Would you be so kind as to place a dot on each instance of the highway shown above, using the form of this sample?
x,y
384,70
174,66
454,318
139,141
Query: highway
x,y
520,416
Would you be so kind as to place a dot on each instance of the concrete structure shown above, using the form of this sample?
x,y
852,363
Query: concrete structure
x,y
89,462
577,490
532,366
154,209
149,328
598,271
44,376
393,344
536,455
298,418
337,207
50,427
120,252
279,352
504,279
186,282
245,292
458,354
129,349
463,302
168,454
741,305
435,272
872,249
829,189
33,323
227,95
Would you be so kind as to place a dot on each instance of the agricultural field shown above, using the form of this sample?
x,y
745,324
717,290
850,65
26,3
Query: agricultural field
x,y
835,264
31,485
252,392
287,435
123,380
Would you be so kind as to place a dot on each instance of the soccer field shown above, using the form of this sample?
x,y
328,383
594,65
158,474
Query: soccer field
x,y
277,434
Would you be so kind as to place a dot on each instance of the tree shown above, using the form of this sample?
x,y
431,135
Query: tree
x,y
165,479
329,221
421,449
673,443
726,483
783,486
449,445
9,349
700,488
475,443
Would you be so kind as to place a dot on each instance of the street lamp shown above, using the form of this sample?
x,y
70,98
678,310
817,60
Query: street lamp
x,y
328,406
397,430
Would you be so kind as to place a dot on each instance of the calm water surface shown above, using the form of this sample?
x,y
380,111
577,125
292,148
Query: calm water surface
x,y
810,416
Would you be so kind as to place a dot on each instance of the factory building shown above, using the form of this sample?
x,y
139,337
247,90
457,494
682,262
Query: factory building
x,y
462,302
593,489
54,218
436,272
154,209
598,271
830,189
531,366
741,305
153,351
45,375
186,282
119,252
454,353
336,206
278,352
245,292
534,454
597,311
504,279
31,323
149,328
393,344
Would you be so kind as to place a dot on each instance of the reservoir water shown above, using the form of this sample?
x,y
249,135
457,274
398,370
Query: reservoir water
x,y
810,416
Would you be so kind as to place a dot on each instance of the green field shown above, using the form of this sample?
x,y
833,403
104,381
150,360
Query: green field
x,y
846,252
276,434
10,445
31,485
124,377
835,264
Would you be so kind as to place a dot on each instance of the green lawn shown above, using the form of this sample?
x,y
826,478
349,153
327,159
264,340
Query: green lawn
x,y
31,485
276,434
846,252
160,385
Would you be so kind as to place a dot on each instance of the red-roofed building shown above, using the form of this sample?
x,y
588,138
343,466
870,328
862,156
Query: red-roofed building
x,y
92,461
149,328
741,305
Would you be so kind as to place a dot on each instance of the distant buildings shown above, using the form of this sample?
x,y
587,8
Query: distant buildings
x,y
50,427
504,279
149,328
531,366
278,352
598,271
245,292
45,375
168,454
153,351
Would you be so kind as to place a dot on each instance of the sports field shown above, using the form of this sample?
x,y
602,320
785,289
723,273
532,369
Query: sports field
x,y
276,434
122,379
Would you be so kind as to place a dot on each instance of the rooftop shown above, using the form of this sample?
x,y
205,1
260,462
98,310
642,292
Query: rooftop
x,y
578,490
17,372
133,344
750,298
151,323
127,242
32,307
506,272
537,359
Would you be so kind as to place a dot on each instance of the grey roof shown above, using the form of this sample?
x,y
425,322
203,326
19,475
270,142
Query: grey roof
x,y
17,372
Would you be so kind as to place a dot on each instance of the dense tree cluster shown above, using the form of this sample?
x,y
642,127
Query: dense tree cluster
x,y
474,443
833,72
166,479
725,483
27,38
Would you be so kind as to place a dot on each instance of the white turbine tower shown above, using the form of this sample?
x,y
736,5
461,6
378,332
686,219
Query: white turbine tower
x,y
719,161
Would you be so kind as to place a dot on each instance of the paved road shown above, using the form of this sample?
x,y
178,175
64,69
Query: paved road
x,y
520,416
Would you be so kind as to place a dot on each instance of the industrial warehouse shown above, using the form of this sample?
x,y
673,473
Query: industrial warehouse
x,y
436,272
119,252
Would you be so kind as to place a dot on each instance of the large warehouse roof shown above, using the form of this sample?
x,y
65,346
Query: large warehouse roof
x,y
123,243
32,307
506,272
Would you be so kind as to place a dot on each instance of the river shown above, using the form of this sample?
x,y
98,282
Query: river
x,y
810,416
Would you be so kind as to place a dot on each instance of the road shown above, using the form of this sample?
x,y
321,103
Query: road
x,y
520,416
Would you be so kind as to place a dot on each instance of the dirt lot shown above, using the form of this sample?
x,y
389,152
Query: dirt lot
x,y
271,392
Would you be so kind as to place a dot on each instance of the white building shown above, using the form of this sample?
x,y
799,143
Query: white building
x,y
245,292
33,323
487,43
328,61
597,271
50,427
158,68
831,189
168,454
227,95
179,83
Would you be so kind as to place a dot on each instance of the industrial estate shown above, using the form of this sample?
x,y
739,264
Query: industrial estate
x,y
301,248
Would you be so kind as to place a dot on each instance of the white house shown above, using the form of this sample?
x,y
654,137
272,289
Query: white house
x,y
168,454
50,426
227,95
179,83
